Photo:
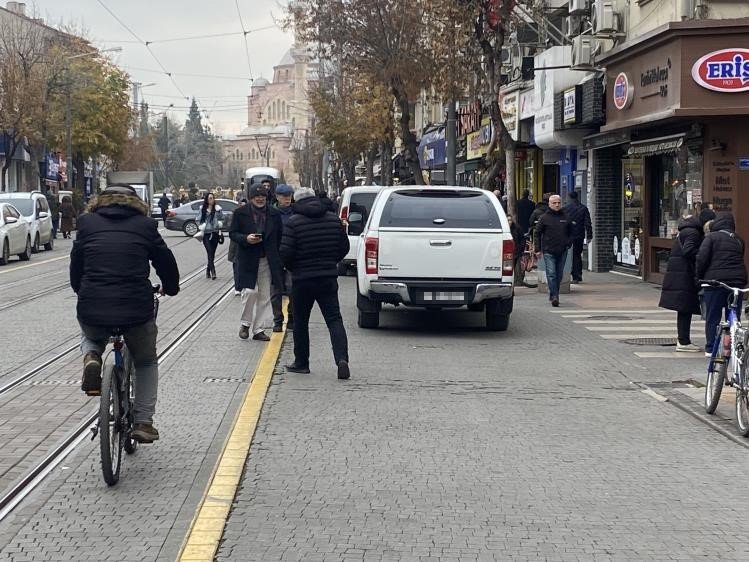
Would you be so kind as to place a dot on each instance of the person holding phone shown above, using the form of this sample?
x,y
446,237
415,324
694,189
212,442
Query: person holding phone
x,y
256,229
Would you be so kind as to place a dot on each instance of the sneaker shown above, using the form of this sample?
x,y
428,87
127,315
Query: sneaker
x,y
91,383
301,369
145,433
237,293
278,328
687,347
244,332
555,302
708,354
261,336
343,370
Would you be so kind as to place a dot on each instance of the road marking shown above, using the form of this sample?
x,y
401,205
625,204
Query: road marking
x,y
669,355
635,335
653,394
207,528
627,322
593,316
34,264
611,311
625,328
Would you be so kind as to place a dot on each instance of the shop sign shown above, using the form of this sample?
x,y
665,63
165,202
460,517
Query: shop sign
x,y
526,105
508,107
570,108
53,167
624,92
478,141
469,118
726,70
744,164
653,147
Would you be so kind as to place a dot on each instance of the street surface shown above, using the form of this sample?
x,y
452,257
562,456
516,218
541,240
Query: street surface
x,y
554,440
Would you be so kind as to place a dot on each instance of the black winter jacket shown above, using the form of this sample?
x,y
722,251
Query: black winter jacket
x,y
248,255
721,254
679,291
313,241
580,216
109,263
525,209
553,232
538,212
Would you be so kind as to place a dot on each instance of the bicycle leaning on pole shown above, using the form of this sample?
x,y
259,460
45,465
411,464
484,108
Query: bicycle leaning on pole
x,y
729,357
115,423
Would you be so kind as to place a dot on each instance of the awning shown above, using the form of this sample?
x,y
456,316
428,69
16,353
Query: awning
x,y
654,147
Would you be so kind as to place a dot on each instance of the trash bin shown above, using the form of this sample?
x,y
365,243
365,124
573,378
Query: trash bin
x,y
564,287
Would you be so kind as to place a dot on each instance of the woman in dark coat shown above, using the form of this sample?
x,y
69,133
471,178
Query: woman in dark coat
x,y
67,212
680,291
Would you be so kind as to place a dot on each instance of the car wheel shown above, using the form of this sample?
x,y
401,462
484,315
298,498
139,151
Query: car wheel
x,y
342,269
190,228
49,246
5,256
26,254
35,247
368,320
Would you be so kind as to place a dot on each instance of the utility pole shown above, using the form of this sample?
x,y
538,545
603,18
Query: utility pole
x,y
452,140
166,160
69,130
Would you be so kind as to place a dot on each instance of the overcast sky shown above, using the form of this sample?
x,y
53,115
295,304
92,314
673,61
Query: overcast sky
x,y
157,20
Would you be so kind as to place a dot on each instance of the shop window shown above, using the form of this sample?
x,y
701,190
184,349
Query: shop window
x,y
629,245
677,180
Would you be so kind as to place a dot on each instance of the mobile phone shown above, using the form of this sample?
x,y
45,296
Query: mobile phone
x,y
259,235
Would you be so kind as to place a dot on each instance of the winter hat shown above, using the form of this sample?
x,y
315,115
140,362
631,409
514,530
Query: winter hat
x,y
304,193
706,215
573,195
257,190
284,189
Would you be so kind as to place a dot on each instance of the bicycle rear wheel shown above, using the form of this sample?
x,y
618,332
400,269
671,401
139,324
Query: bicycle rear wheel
x,y
742,412
716,375
110,426
130,444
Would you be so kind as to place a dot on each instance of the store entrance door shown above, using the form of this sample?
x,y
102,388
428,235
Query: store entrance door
x,y
551,178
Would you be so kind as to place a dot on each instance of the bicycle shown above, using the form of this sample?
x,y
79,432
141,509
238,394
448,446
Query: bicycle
x,y
116,404
730,349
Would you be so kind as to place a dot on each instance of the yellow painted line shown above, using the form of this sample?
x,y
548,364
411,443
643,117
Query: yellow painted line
x,y
207,526
34,264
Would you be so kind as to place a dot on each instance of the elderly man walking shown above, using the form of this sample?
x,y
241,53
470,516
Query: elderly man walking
x,y
553,239
256,229
313,243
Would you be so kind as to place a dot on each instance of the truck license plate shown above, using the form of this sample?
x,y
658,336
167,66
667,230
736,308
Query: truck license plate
x,y
444,296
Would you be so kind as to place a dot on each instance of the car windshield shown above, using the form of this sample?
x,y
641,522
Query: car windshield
x,y
24,206
440,209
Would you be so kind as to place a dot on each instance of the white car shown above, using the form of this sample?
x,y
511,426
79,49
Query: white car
x,y
355,201
34,208
435,248
15,238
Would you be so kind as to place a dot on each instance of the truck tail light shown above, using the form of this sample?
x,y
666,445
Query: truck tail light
x,y
171,214
508,256
371,250
344,217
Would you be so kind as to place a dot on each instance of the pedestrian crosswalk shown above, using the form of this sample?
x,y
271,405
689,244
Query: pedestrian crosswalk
x,y
654,328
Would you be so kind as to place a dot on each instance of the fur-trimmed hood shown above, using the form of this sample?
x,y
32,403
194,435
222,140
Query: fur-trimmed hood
x,y
104,200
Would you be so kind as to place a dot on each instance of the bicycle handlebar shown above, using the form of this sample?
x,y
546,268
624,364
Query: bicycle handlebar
x,y
715,283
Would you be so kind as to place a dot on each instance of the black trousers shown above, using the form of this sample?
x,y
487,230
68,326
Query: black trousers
x,y
577,259
210,241
684,327
304,294
276,299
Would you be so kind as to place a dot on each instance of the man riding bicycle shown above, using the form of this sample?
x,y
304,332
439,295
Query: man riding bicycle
x,y
109,271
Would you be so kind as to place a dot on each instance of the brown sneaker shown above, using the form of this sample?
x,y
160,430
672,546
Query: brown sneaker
x,y
145,433
91,382
244,332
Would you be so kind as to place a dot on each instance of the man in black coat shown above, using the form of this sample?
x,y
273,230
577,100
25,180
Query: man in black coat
x,y
164,203
109,271
553,239
720,258
256,229
582,228
525,209
314,241
679,291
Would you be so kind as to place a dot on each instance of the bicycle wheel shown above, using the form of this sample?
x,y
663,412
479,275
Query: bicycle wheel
x,y
110,426
716,375
130,445
742,412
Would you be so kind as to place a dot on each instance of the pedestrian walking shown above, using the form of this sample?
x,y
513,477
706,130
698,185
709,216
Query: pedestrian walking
x,y
211,219
518,238
582,230
54,209
720,258
313,244
68,214
256,228
525,208
284,197
164,203
232,257
679,291
538,212
553,239
327,202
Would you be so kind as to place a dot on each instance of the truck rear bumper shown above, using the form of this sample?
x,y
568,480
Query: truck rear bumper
x,y
402,292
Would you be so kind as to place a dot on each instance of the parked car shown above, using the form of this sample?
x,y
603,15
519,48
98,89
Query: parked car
x,y
156,210
435,248
34,208
185,217
15,237
355,200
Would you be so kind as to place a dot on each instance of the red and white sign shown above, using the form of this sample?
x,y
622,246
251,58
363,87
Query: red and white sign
x,y
726,70
624,92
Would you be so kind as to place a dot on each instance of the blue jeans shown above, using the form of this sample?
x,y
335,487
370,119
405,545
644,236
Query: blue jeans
x,y
716,302
554,271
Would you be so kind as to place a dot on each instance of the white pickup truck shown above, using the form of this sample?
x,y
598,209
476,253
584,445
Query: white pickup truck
x,y
435,248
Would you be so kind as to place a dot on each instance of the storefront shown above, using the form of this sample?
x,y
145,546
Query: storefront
x,y
676,99
477,143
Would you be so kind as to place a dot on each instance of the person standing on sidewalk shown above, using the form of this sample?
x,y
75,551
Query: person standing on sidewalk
x,y
582,229
553,238
313,243
256,228
284,197
54,209
525,208
720,258
232,257
68,215
212,217
164,203
679,291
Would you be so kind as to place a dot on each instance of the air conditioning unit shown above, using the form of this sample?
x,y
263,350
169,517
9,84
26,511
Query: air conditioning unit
x,y
556,4
572,26
582,52
506,56
578,7
603,17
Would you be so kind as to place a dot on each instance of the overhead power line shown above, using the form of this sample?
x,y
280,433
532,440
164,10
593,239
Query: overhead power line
x,y
244,36
217,77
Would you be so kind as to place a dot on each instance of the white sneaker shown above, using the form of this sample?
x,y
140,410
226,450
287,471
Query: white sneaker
x,y
708,354
237,293
688,347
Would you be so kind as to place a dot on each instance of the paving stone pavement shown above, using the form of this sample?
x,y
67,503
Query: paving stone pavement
x,y
453,443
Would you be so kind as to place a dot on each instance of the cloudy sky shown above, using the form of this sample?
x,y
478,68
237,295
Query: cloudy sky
x,y
221,61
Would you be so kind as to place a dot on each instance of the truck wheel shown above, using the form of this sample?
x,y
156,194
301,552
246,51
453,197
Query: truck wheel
x,y
369,311
497,322
368,320
342,269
